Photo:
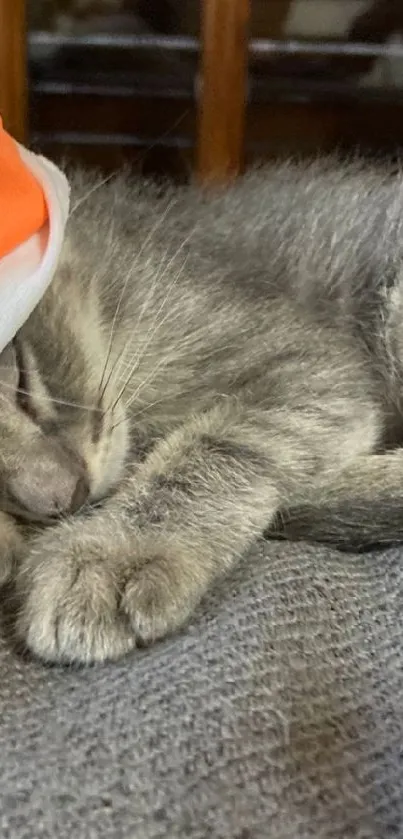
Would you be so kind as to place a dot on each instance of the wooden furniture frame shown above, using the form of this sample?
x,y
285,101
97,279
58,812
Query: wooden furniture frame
x,y
13,72
297,116
224,68
220,138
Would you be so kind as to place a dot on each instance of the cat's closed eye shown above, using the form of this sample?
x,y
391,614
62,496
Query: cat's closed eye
x,y
23,395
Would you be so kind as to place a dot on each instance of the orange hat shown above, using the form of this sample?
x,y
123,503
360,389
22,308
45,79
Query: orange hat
x,y
23,209
34,206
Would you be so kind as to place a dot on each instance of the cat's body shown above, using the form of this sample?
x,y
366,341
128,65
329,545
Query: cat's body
x,y
236,357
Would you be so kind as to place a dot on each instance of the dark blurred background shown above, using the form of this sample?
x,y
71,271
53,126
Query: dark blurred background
x,y
111,80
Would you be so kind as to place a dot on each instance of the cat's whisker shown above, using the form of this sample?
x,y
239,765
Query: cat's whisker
x,y
156,325
134,367
147,406
149,379
91,191
116,367
130,273
120,360
52,399
146,380
179,346
139,413
164,362
158,275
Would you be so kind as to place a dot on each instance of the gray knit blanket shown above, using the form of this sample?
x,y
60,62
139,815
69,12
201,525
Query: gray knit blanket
x,y
278,714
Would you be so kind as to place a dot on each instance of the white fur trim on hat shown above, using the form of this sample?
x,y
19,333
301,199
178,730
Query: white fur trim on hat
x,y
26,272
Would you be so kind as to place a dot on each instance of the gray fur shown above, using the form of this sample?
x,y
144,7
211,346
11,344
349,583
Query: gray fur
x,y
202,367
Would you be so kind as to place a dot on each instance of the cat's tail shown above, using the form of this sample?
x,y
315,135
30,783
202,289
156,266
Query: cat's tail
x,y
353,525
362,510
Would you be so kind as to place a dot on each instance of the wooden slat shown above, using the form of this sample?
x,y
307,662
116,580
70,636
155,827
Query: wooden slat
x,y
223,89
13,68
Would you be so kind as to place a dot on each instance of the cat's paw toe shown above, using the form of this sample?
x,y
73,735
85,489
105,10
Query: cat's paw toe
x,y
156,599
72,614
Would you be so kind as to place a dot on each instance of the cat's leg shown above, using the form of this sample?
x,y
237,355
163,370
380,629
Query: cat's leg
x,y
361,507
10,547
93,588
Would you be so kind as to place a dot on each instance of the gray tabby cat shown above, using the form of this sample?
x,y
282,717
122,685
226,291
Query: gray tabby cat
x,y
201,364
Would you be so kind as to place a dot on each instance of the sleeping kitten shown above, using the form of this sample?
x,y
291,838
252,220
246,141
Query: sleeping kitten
x,y
200,364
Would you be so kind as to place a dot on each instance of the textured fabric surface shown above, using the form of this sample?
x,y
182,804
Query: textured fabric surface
x,y
277,714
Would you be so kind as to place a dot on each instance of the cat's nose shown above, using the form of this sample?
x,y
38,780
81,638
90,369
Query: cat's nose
x,y
80,494
50,482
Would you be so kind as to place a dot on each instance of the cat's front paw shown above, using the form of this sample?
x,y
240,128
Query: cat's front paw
x,y
86,596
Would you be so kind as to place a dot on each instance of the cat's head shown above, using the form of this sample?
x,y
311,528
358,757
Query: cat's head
x,y
63,430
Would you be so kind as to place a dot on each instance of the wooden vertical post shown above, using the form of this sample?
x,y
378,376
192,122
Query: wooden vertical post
x,y
13,68
224,68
